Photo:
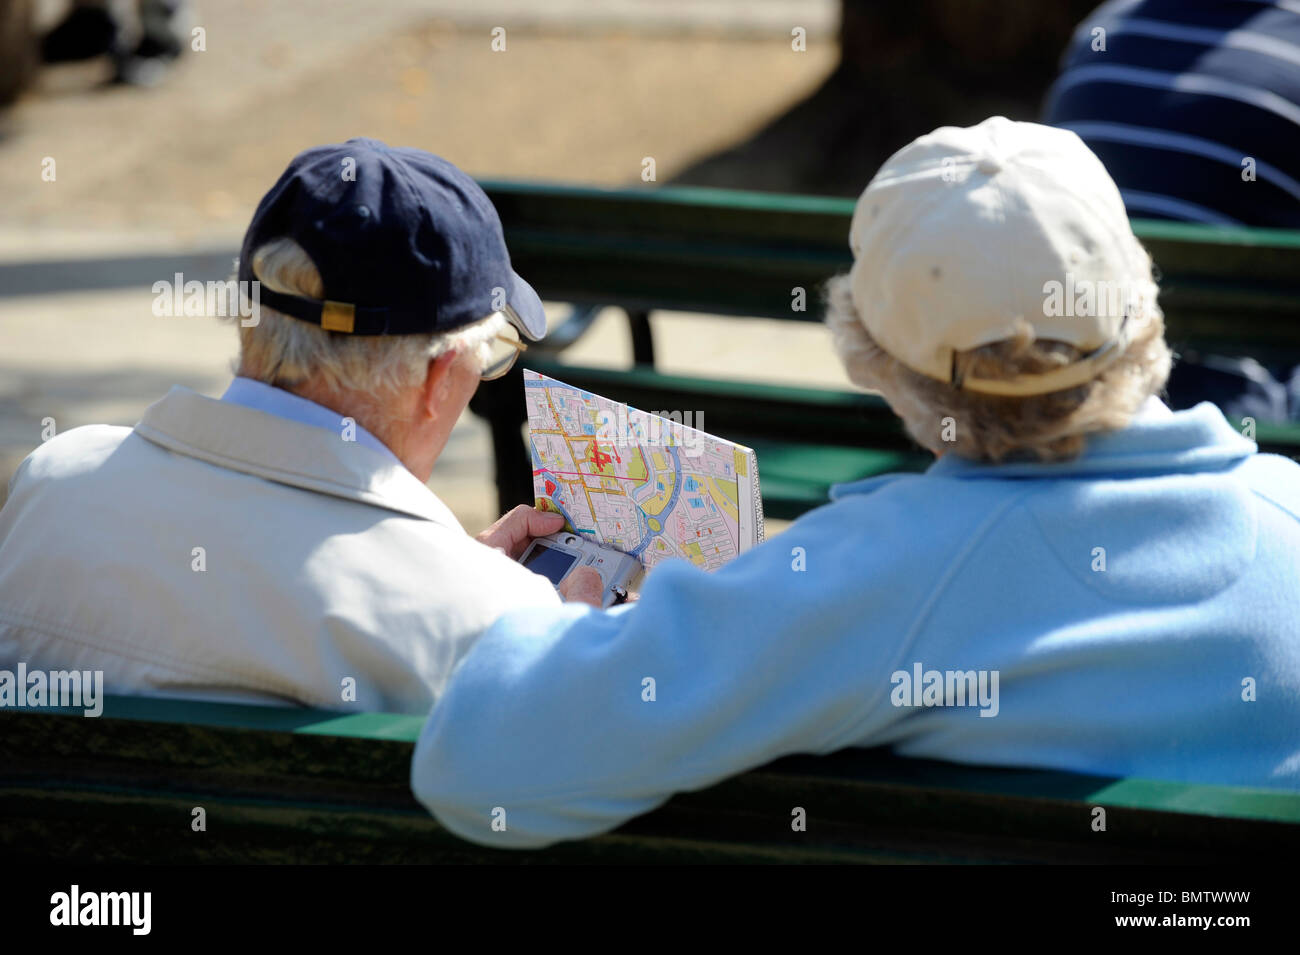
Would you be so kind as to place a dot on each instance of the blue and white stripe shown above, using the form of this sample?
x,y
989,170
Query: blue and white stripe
x,y
1186,95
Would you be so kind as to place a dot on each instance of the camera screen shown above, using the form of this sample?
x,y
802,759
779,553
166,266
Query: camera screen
x,y
550,563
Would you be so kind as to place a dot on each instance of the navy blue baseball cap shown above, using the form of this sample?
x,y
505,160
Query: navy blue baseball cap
x,y
405,243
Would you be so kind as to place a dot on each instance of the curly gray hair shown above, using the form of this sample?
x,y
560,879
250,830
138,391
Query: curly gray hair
x,y
1049,427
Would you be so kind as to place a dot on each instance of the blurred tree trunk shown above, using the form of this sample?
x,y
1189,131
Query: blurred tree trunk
x,y
18,48
905,68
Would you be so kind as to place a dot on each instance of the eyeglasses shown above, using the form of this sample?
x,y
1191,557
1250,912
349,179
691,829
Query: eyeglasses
x,y
504,351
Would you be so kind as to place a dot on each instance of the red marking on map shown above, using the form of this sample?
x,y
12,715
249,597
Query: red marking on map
x,y
600,459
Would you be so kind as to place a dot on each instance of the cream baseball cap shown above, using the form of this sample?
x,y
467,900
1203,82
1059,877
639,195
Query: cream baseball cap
x,y
968,229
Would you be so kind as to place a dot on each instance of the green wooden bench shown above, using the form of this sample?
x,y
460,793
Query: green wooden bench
x,y
300,785
311,786
1230,291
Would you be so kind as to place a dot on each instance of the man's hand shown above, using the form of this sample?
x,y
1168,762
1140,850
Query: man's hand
x,y
516,529
583,585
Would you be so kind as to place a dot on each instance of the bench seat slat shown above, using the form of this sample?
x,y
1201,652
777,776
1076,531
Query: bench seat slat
x,y
311,785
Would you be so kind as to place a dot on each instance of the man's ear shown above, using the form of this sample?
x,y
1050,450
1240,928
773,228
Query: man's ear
x,y
437,384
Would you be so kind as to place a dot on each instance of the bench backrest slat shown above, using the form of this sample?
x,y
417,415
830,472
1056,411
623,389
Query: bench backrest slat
x,y
741,253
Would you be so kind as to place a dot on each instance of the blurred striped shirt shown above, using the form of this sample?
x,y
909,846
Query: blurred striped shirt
x,y
1192,105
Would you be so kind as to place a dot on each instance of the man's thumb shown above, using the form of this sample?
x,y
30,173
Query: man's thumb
x,y
583,585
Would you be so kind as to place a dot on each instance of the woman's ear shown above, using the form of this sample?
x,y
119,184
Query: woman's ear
x,y
437,384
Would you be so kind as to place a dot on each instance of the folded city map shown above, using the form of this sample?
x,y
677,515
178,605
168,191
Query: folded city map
x,y
653,485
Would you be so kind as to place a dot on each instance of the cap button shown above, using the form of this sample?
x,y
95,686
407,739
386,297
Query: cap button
x,y
989,166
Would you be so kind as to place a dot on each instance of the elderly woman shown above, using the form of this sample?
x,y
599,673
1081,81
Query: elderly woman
x,y
1083,580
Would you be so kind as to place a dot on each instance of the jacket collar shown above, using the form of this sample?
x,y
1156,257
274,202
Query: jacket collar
x,y
287,452
277,401
1157,440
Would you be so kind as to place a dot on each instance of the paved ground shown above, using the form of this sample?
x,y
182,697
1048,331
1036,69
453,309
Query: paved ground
x,y
582,93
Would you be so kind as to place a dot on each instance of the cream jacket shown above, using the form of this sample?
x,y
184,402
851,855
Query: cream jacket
x,y
219,552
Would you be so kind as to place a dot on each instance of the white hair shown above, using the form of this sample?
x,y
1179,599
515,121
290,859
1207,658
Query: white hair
x,y
288,352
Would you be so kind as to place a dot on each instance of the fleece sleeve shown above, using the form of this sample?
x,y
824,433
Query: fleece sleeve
x,y
563,723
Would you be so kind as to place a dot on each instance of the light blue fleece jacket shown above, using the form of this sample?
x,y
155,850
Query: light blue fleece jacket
x,y
1131,603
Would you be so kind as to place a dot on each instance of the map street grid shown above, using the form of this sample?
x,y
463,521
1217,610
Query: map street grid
x,y
643,484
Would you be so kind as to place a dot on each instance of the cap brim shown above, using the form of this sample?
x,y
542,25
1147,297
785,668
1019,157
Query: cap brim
x,y
524,309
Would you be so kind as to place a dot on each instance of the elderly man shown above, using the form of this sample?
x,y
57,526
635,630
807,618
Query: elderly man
x,y
280,544
1083,580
